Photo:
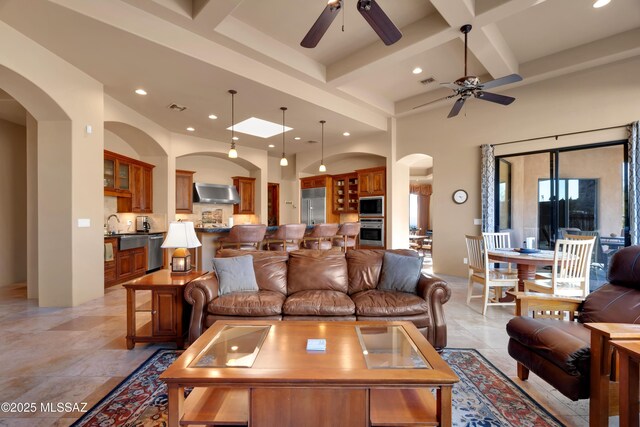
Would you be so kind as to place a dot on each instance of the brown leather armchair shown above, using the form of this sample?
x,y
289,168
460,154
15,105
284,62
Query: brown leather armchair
x,y
321,236
287,237
347,236
559,351
245,237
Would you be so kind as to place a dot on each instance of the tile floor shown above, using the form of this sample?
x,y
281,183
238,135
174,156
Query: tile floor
x,y
78,354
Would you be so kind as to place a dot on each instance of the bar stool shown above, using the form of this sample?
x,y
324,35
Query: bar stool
x,y
347,236
320,237
287,237
244,237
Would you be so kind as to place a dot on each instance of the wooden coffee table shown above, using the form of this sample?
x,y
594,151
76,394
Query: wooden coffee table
x,y
260,373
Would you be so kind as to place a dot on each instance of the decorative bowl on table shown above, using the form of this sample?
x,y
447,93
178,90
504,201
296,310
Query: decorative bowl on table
x,y
527,250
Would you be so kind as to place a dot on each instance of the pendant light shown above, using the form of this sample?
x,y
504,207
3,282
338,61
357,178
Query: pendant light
x,y
322,167
283,160
233,154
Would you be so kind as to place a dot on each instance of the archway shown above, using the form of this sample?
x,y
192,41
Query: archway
x,y
418,168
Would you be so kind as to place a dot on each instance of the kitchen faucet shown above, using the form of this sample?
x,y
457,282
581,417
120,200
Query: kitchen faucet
x,y
108,225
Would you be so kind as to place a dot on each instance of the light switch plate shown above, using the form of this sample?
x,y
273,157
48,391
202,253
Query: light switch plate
x,y
84,222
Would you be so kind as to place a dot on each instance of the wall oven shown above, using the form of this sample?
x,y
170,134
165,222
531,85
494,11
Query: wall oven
x,y
372,232
371,206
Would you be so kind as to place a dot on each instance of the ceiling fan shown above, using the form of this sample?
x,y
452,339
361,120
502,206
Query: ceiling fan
x,y
371,12
468,86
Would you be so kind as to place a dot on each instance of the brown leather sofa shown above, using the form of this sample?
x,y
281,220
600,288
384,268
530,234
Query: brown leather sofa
x,y
558,351
320,285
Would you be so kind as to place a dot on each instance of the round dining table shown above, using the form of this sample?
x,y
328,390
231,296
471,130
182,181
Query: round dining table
x,y
526,263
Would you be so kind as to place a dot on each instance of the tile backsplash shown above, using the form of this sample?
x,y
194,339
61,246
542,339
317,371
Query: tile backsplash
x,y
158,222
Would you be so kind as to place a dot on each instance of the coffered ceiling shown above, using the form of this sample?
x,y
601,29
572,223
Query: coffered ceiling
x,y
191,52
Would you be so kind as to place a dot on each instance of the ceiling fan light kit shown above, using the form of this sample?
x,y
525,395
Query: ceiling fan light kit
x,y
370,11
468,86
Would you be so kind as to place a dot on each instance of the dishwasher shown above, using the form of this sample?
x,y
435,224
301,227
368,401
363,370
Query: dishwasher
x,y
154,252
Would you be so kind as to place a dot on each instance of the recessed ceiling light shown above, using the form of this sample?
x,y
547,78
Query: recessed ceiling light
x,y
297,138
601,3
190,129
144,92
272,146
235,138
213,116
417,70
258,127
346,134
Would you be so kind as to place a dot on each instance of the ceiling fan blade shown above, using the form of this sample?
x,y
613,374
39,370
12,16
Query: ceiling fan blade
x,y
434,101
379,21
321,25
511,78
456,107
494,97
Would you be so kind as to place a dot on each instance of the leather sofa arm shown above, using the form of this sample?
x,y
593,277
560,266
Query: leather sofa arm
x,y
436,292
199,293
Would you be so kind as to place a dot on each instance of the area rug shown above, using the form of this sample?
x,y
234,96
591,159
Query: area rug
x,y
484,397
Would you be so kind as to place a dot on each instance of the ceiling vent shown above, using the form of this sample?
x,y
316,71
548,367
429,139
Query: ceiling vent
x,y
176,107
427,81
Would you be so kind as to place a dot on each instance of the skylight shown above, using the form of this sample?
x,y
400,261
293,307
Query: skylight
x,y
259,127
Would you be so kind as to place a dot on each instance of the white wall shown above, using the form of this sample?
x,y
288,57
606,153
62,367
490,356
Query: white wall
x,y
597,98
13,208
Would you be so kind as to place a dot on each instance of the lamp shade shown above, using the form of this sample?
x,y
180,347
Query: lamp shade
x,y
181,235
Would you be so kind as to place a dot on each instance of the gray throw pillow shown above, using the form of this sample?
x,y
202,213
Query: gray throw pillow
x,y
400,273
235,274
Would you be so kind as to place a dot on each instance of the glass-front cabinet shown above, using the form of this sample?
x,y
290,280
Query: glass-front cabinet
x,y
117,173
345,193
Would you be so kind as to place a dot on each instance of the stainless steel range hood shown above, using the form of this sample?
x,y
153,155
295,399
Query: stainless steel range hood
x,y
215,194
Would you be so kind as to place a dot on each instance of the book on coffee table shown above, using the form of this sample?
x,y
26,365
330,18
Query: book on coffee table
x,y
316,344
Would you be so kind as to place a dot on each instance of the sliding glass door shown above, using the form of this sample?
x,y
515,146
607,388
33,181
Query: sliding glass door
x,y
550,194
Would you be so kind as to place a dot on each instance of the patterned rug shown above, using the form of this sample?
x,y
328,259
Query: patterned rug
x,y
484,397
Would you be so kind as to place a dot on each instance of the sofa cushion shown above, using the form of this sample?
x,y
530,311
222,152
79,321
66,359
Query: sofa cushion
x,y
364,267
270,268
611,304
565,344
317,270
319,303
378,303
261,303
400,273
235,274
624,267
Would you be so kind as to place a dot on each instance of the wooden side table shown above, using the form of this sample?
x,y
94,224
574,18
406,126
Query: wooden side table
x,y
166,307
629,352
601,336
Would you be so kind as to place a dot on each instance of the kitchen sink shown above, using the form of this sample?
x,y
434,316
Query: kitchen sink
x,y
132,241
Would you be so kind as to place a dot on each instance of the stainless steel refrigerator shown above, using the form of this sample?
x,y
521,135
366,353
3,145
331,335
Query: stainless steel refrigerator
x,y
313,205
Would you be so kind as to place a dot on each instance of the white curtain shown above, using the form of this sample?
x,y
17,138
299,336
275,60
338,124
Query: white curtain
x,y
487,186
634,181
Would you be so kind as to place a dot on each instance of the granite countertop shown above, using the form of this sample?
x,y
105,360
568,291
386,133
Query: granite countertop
x,y
227,229
135,233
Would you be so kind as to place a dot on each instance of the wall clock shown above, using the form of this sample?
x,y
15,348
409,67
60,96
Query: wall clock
x,y
460,196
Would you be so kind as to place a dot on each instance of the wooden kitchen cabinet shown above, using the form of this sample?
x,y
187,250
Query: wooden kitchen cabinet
x,y
131,263
372,181
345,193
314,181
184,191
140,198
117,175
110,274
246,187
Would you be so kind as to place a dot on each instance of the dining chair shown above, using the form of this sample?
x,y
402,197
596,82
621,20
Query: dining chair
x,y
570,269
501,240
347,236
245,237
492,280
286,238
321,237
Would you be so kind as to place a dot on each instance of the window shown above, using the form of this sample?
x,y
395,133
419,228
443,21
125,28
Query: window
x,y
413,211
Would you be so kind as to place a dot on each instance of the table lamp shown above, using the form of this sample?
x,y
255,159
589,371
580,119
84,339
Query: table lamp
x,y
181,236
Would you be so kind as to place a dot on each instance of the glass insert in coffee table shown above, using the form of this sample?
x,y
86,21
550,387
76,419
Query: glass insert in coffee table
x,y
389,347
234,346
